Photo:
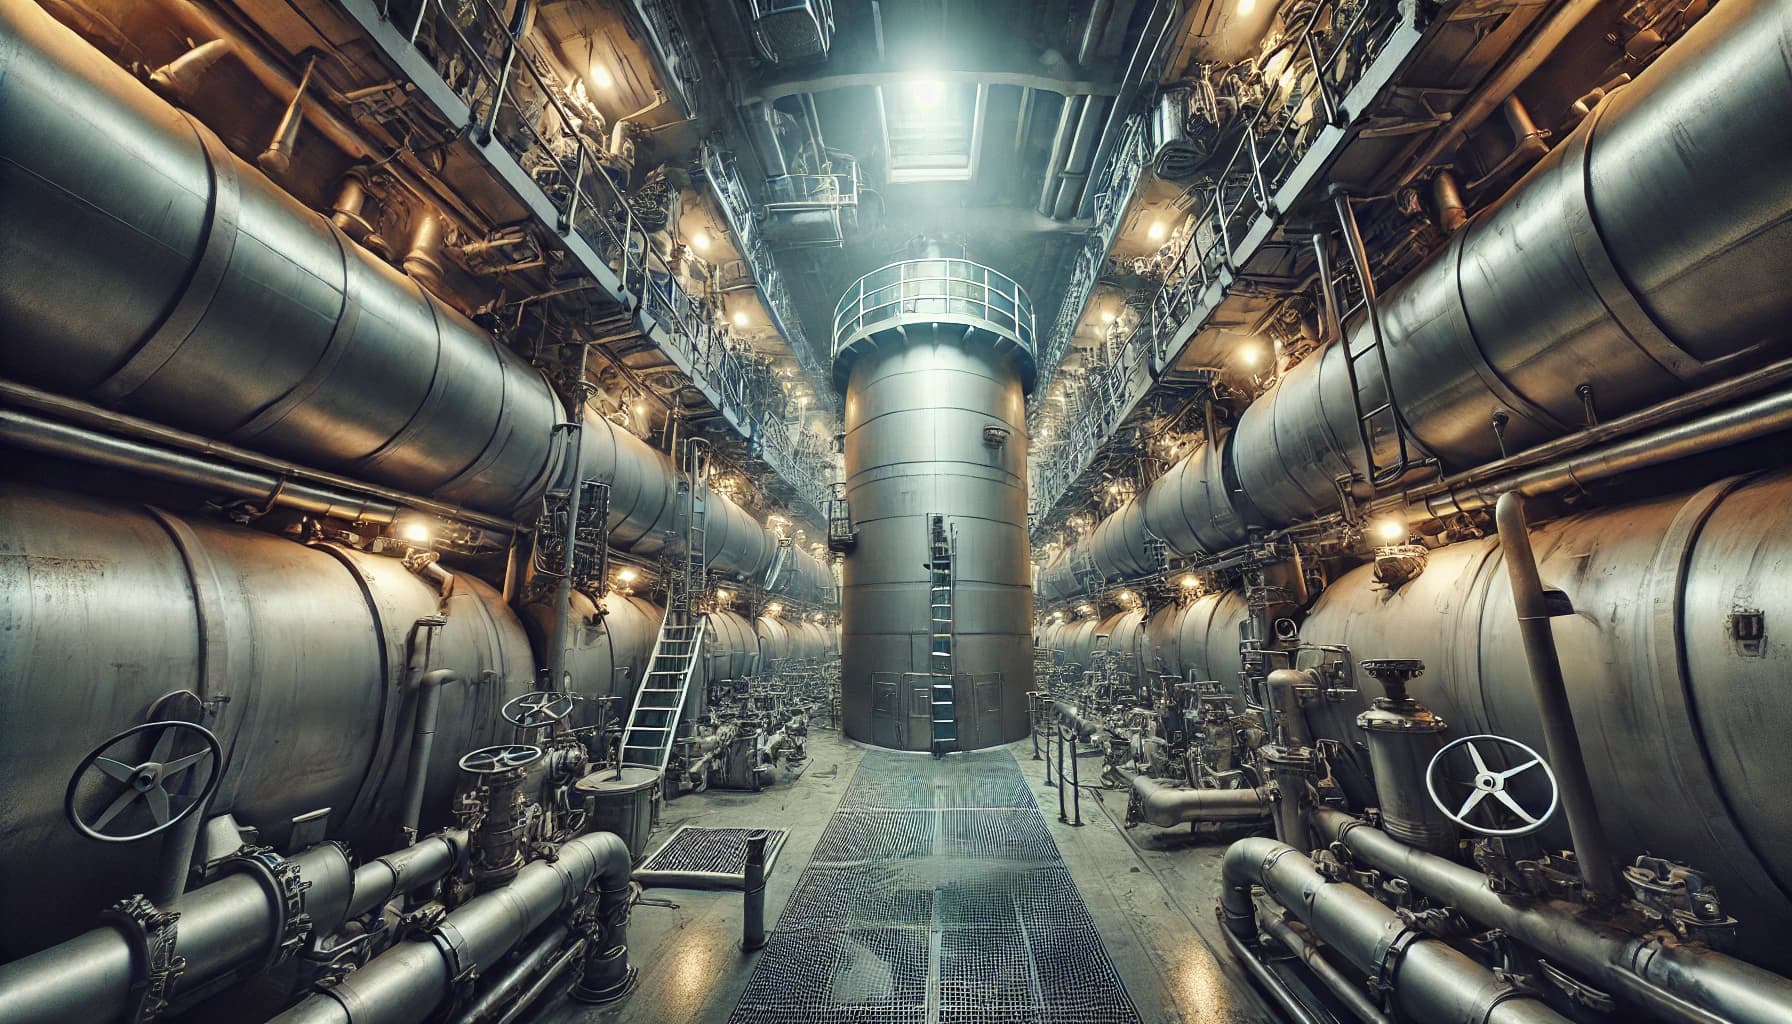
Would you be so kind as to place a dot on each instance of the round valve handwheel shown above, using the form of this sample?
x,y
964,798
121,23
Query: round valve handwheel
x,y
1490,789
538,710
503,757
156,773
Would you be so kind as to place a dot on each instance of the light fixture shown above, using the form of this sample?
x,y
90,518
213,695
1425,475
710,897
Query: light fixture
x,y
1250,353
601,77
774,608
740,318
416,531
1245,7
640,408
1083,609
1128,597
927,92
627,575
1157,231
700,241
1188,582
1107,316
724,596
1391,530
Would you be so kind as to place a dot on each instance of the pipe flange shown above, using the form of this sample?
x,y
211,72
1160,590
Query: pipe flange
x,y
152,934
1388,953
285,885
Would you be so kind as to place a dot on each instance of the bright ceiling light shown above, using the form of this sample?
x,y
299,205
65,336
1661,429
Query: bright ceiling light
x,y
1157,231
1245,7
627,575
601,77
700,241
1250,353
415,530
927,92
774,608
1391,530
1107,316
1188,582
740,319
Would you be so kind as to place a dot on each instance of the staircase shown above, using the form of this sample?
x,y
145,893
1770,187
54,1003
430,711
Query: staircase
x,y
939,589
652,726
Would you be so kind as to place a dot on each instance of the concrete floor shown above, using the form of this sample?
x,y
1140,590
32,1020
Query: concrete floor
x,y
1150,891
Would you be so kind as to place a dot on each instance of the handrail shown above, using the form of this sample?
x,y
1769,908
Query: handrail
x,y
575,179
867,299
1260,163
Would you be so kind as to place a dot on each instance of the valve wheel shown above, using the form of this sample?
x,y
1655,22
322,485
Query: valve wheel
x,y
147,772
537,710
1489,782
502,757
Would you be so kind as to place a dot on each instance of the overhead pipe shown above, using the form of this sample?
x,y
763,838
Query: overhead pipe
x,y
1158,804
1685,983
1068,113
48,437
277,158
408,983
1561,741
1426,978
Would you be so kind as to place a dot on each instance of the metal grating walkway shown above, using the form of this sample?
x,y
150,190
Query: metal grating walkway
x,y
703,858
936,896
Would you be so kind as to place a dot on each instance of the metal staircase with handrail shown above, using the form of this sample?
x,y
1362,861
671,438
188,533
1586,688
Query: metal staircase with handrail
x,y
648,736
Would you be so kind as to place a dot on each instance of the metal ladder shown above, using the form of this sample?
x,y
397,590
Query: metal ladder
x,y
944,717
648,736
1388,409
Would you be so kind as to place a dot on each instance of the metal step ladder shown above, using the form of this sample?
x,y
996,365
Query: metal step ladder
x,y
1384,418
648,736
944,718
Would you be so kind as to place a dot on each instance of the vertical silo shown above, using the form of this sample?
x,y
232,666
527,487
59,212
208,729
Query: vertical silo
x,y
935,358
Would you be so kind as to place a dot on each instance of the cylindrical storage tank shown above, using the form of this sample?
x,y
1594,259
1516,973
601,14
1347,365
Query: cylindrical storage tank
x,y
935,359
1163,641
1676,700
609,647
1118,545
730,647
113,612
622,802
776,644
1207,639
1078,641
814,641
1193,507
1123,633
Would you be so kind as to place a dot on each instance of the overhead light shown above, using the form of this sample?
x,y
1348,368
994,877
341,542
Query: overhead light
x,y
774,608
640,409
1188,582
740,318
927,92
724,596
1391,530
700,241
627,575
1250,353
1245,7
1128,597
1107,316
1157,231
601,77
1083,609
416,531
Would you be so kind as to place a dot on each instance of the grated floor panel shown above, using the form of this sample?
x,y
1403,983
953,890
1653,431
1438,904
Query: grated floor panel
x,y
936,896
705,858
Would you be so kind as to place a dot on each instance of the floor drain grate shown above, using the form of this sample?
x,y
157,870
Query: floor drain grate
x,y
936,896
706,858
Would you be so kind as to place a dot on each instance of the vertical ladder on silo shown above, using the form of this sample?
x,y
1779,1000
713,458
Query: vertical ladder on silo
x,y
652,726
939,592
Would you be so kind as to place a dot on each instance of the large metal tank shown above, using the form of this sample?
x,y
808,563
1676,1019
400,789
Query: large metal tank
x,y
1198,639
608,652
308,655
1123,634
1643,256
935,358
1676,707
233,311
730,647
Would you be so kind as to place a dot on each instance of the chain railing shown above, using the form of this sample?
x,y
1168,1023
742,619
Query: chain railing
x,y
1275,139
926,287
512,101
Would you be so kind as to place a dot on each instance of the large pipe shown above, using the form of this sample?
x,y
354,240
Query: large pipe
x,y
1426,977
408,983
1155,803
1605,957
222,926
1308,953
234,313
1561,741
